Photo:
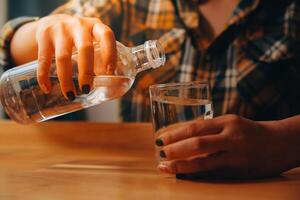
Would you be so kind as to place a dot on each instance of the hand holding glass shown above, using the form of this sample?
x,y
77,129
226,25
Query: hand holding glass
x,y
174,103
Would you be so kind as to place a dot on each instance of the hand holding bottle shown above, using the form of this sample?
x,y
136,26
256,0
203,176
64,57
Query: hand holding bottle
x,y
24,100
57,35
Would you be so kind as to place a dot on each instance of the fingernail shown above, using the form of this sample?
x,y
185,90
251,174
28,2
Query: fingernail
x,y
181,176
86,89
71,95
163,168
162,154
159,142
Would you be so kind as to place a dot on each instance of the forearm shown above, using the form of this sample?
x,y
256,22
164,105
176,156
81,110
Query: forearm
x,y
23,46
292,128
292,125
289,131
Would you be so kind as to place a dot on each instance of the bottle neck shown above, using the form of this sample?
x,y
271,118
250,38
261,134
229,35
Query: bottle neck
x,y
149,55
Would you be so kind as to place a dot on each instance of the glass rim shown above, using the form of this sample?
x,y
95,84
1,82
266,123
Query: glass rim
x,y
179,84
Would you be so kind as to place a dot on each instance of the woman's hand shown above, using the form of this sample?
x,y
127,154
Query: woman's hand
x,y
226,147
56,35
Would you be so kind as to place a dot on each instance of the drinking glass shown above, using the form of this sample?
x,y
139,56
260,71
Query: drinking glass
x,y
174,103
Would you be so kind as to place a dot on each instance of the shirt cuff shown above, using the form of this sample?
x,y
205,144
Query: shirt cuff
x,y
6,34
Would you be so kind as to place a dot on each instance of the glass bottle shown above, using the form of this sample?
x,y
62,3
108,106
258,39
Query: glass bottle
x,y
24,101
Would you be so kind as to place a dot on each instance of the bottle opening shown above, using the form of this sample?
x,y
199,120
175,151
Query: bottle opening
x,y
155,53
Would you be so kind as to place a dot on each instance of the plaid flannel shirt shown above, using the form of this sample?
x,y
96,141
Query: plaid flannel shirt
x,y
252,67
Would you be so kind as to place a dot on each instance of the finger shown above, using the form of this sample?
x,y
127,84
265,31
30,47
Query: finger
x,y
196,164
187,130
107,42
195,146
45,54
97,52
64,68
84,43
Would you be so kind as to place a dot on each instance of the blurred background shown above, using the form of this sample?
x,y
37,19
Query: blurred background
x,y
10,9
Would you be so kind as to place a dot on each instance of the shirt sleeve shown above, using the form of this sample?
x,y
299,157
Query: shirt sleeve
x,y
108,11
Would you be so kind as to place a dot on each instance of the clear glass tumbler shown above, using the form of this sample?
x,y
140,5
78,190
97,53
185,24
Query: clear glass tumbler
x,y
173,103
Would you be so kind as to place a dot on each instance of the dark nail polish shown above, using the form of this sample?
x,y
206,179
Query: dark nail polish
x,y
159,142
24,84
181,176
86,89
162,154
71,96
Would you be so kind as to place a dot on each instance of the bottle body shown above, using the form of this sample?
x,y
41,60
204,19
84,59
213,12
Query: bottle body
x,y
24,101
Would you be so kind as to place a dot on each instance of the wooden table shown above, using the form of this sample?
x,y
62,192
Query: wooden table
x,y
71,160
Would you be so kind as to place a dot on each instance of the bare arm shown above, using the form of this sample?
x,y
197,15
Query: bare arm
x,y
23,47
290,130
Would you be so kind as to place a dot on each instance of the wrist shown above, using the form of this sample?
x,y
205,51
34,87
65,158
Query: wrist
x,y
290,130
287,140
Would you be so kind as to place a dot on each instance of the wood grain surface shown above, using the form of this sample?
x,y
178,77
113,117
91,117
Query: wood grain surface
x,y
80,160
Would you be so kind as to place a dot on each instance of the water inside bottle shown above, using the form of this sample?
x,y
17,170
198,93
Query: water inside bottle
x,y
32,105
